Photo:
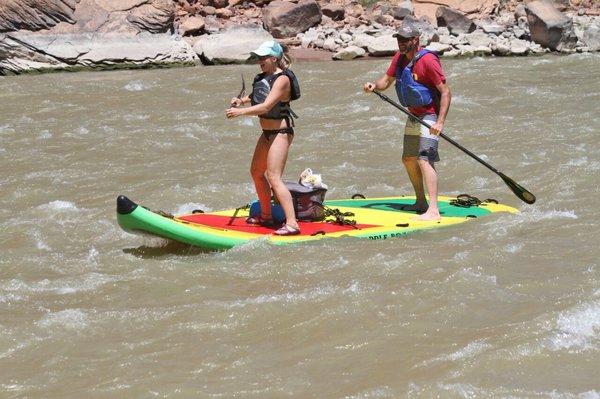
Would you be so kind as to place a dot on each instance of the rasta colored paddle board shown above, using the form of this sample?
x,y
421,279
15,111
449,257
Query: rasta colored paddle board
x,y
373,218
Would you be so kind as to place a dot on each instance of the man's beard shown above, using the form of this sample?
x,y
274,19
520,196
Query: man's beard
x,y
408,48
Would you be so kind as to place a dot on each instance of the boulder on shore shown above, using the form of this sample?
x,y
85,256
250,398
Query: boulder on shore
x,y
349,53
35,14
549,27
29,52
156,16
334,11
382,46
454,20
231,46
191,25
285,19
591,37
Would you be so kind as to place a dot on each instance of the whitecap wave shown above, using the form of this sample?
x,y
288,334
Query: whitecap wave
x,y
59,205
245,122
6,129
136,117
41,244
357,107
72,319
188,207
386,118
514,247
578,328
137,85
308,295
536,214
88,282
45,134
471,350
460,100
92,256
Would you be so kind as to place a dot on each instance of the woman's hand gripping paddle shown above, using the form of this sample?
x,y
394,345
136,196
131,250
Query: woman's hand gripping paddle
x,y
517,189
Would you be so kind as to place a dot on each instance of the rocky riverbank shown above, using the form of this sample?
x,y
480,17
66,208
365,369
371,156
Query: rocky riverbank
x,y
45,35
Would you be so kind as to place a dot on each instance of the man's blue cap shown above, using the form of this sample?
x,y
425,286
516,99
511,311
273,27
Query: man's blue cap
x,y
268,48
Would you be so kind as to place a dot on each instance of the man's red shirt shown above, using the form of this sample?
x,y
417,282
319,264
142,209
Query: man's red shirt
x,y
427,71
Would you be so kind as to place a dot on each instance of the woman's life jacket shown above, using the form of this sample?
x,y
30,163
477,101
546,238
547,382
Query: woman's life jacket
x,y
410,92
261,87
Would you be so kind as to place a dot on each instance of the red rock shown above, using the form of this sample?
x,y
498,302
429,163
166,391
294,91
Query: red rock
x,y
456,21
286,19
224,13
156,16
549,27
355,10
208,10
35,14
385,19
352,22
191,25
333,11
219,3
309,54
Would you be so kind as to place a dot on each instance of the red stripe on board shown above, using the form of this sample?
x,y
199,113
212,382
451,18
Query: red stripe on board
x,y
239,224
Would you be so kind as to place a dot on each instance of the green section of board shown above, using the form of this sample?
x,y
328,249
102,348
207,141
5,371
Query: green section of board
x,y
395,205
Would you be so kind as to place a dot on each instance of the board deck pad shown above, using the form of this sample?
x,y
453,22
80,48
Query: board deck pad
x,y
239,224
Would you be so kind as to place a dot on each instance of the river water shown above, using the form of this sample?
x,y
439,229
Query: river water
x,y
506,306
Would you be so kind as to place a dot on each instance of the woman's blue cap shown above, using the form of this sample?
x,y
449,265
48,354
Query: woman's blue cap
x,y
268,48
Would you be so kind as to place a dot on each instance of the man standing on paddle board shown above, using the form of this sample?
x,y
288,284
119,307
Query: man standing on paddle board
x,y
421,86
272,91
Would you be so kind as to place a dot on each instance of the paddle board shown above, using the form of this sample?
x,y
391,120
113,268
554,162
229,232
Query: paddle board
x,y
371,218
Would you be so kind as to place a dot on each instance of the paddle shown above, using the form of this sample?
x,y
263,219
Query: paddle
x,y
243,91
517,189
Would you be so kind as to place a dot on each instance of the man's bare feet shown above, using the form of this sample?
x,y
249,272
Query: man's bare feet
x,y
419,208
429,216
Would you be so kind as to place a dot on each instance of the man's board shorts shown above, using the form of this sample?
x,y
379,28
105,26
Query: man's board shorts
x,y
418,142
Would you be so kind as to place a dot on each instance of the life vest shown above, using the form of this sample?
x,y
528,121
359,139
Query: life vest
x,y
410,92
261,87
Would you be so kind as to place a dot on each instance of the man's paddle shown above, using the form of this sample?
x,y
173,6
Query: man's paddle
x,y
519,191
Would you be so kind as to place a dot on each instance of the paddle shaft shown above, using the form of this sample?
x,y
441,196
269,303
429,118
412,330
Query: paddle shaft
x,y
518,190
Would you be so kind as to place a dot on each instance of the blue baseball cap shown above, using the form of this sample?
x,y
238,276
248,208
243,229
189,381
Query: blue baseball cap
x,y
268,48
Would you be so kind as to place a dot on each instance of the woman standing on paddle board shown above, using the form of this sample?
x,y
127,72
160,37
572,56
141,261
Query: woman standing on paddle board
x,y
272,91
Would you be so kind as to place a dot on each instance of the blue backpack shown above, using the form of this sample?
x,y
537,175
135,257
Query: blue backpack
x,y
410,92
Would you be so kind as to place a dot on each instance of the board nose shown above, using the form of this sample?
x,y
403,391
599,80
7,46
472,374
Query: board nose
x,y
124,205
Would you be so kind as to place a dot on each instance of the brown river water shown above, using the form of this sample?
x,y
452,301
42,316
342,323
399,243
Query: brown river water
x,y
506,306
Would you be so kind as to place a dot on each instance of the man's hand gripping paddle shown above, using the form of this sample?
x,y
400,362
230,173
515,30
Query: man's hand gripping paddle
x,y
517,189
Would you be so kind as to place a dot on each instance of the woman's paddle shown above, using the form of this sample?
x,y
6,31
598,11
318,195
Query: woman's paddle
x,y
242,92
519,191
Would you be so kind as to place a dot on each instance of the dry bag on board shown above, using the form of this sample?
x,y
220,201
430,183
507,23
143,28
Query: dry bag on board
x,y
308,201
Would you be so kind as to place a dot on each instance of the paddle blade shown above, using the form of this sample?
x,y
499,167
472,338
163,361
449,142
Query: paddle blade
x,y
519,191
243,91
